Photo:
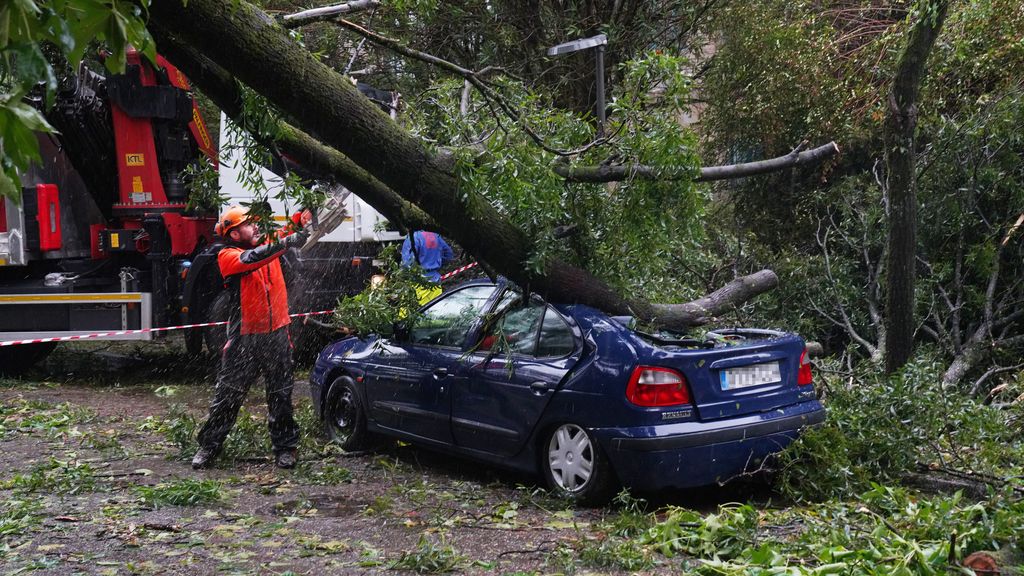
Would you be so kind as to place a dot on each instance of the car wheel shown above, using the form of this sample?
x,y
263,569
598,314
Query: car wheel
x,y
345,416
194,342
575,466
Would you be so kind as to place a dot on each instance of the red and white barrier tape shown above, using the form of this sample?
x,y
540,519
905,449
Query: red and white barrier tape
x,y
139,331
168,328
458,271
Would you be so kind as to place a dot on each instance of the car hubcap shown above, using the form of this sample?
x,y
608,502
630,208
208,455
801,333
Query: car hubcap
x,y
343,414
570,457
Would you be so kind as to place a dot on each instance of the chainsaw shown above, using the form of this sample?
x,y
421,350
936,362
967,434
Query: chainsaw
x,y
328,217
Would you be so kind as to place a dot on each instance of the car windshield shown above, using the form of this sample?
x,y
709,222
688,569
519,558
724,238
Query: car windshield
x,y
447,320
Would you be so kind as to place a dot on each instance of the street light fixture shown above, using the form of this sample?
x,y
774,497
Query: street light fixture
x,y
597,42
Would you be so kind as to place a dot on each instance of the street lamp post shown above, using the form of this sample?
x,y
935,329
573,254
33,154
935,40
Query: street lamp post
x,y
597,42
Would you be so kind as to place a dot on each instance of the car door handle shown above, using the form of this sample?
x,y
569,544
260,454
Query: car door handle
x,y
440,372
540,387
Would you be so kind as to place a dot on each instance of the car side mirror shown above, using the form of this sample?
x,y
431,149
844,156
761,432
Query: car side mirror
x,y
400,331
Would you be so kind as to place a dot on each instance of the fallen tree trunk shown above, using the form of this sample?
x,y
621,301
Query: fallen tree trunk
x,y
251,47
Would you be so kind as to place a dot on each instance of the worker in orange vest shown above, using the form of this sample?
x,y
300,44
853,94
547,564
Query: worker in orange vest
x,y
258,342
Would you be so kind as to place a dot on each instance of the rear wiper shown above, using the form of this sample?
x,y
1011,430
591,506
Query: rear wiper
x,y
692,342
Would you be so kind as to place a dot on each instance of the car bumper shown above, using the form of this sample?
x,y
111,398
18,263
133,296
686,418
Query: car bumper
x,y
317,377
699,453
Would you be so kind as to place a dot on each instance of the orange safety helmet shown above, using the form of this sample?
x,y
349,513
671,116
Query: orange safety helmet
x,y
233,217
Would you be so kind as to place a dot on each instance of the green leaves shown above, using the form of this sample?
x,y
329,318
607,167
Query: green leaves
x,y
18,120
377,309
18,124
250,146
17,21
70,26
888,531
721,535
185,492
204,194
880,429
430,557
117,23
55,477
628,233
18,516
28,63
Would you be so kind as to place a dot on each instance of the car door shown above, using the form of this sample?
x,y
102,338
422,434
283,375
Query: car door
x,y
408,387
509,378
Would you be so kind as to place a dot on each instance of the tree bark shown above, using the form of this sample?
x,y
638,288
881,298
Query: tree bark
x,y
252,47
901,182
707,174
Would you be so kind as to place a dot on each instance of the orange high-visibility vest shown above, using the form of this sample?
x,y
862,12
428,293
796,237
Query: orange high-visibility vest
x,y
263,297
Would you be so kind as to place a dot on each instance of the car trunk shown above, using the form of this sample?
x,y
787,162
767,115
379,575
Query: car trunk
x,y
749,371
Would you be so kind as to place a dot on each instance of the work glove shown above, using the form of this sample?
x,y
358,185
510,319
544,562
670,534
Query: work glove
x,y
296,239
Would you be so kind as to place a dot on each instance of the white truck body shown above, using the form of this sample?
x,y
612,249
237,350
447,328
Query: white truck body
x,y
359,226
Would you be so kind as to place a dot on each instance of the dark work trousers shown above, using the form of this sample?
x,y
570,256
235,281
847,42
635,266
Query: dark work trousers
x,y
246,358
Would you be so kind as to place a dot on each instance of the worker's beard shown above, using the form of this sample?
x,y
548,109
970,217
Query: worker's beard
x,y
246,239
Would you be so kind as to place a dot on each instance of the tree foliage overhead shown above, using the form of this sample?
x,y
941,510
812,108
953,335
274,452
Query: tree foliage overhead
x,y
513,36
765,76
241,40
624,231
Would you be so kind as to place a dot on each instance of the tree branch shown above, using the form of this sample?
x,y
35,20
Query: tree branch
x,y
473,78
845,323
976,388
725,299
396,46
326,13
598,174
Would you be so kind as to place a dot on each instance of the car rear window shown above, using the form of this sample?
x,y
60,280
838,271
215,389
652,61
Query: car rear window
x,y
533,330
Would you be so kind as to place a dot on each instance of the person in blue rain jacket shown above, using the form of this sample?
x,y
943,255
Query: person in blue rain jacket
x,y
431,252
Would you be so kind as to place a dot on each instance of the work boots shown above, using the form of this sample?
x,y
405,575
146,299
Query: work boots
x,y
286,459
203,458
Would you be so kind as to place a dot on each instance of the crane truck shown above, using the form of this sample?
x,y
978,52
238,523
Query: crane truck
x,y
101,240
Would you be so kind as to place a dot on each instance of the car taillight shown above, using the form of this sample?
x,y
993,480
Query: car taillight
x,y
650,386
804,376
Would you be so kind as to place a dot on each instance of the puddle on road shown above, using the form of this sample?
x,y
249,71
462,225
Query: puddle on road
x,y
332,505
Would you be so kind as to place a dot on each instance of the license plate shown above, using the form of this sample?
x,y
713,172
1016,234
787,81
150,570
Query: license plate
x,y
747,376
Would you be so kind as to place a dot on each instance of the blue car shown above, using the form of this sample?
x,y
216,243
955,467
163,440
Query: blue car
x,y
569,392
